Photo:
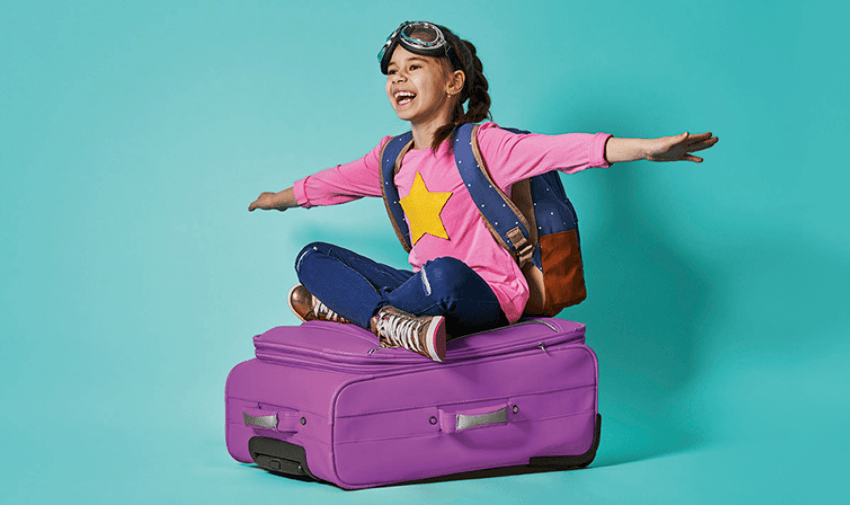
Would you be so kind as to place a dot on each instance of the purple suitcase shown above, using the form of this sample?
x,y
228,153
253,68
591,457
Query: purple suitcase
x,y
324,401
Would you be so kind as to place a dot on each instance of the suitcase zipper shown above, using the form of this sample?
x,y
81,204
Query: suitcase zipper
x,y
457,356
382,367
521,323
380,356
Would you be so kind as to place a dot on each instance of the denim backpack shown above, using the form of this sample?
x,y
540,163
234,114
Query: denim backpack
x,y
537,224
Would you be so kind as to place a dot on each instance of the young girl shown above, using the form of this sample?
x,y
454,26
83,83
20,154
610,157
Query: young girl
x,y
462,281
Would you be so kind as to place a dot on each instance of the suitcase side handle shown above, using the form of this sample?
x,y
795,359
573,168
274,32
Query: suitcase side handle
x,y
453,421
286,422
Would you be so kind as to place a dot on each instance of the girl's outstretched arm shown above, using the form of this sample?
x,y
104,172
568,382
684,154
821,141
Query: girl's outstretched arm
x,y
675,148
277,201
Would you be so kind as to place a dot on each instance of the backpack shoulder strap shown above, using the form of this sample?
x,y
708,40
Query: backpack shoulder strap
x,y
506,222
391,154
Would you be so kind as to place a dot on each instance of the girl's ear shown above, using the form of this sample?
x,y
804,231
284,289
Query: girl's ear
x,y
455,82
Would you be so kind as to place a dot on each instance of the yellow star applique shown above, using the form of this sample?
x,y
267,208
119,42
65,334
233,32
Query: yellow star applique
x,y
423,210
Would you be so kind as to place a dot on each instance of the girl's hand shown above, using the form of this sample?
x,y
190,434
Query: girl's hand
x,y
678,147
274,201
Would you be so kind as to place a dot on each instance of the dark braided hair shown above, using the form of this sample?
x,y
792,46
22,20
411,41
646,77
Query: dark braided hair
x,y
474,89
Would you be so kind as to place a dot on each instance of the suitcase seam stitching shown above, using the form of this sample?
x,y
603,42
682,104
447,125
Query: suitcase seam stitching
x,y
438,433
431,405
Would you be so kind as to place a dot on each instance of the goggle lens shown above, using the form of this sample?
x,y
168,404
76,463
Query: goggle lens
x,y
422,34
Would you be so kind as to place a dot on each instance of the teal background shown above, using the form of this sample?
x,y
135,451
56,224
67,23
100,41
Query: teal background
x,y
133,136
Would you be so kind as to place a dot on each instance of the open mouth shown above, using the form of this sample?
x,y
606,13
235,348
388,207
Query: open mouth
x,y
404,97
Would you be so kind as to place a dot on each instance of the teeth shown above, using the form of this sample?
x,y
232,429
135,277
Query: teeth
x,y
403,97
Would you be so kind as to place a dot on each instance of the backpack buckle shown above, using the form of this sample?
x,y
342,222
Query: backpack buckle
x,y
524,248
525,253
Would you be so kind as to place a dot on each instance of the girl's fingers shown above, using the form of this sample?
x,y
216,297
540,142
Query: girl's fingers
x,y
255,204
695,159
699,137
702,145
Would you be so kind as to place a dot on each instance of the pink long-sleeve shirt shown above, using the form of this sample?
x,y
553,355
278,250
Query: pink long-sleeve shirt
x,y
457,229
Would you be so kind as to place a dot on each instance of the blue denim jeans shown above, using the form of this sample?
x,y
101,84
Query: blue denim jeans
x,y
356,287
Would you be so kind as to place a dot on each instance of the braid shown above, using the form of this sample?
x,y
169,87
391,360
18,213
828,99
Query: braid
x,y
478,107
474,90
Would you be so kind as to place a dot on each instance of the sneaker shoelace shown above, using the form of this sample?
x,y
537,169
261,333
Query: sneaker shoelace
x,y
401,331
320,308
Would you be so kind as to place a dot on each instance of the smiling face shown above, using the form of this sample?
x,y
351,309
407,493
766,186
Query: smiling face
x,y
422,89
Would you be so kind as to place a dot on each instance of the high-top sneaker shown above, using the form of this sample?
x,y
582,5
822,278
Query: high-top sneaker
x,y
308,308
425,335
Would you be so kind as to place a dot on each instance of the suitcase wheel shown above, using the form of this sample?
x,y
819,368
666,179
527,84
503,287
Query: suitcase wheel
x,y
280,457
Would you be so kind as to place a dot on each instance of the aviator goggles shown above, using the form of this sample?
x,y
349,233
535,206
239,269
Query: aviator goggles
x,y
419,37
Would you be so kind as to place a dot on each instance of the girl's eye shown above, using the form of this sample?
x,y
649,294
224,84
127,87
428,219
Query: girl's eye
x,y
414,67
